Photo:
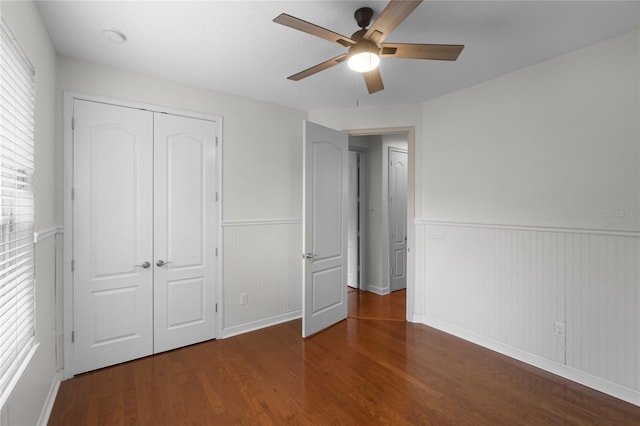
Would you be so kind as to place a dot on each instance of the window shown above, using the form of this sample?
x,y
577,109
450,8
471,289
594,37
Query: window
x,y
17,277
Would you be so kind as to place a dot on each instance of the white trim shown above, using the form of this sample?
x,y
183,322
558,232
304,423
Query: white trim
x,y
68,100
263,323
592,231
67,250
381,291
142,105
51,399
219,231
629,395
258,222
47,233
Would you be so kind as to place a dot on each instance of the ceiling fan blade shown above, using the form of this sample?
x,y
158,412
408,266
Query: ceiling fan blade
x,y
309,28
373,80
441,52
392,15
317,68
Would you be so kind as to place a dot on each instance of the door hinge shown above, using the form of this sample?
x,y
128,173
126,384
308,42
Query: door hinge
x,y
216,141
216,196
73,194
73,265
73,123
216,307
216,251
73,336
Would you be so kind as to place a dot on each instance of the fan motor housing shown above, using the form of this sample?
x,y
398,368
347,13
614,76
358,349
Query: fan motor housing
x,y
363,46
363,16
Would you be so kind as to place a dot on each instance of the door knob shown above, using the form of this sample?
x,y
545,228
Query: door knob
x,y
162,262
144,265
308,256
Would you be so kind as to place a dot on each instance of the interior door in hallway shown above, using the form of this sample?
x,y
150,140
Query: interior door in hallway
x,y
325,220
398,161
113,234
185,226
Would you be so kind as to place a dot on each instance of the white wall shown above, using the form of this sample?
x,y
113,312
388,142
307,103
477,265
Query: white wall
x,y
555,144
33,395
533,181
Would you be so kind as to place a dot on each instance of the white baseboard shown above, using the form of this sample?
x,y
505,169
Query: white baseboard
x,y
617,391
51,399
257,325
381,291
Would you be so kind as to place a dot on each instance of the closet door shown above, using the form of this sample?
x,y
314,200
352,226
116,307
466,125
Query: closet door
x,y
185,231
113,234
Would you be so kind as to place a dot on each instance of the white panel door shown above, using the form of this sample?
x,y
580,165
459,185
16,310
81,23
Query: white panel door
x,y
352,234
113,234
398,162
185,231
325,221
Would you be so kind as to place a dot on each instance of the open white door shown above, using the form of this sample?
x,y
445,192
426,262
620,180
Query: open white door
x,y
325,200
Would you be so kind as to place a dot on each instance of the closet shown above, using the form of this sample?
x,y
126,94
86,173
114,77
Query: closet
x,y
144,233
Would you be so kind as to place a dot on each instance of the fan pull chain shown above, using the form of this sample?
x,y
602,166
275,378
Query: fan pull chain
x,y
357,79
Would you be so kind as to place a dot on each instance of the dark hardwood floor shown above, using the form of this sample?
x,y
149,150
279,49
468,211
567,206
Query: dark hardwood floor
x,y
360,371
367,305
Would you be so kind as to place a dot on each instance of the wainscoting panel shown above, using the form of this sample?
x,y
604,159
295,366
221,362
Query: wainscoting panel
x,y
501,284
263,260
603,323
522,288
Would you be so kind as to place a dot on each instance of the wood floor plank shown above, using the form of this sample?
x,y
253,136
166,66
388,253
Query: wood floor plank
x,y
360,371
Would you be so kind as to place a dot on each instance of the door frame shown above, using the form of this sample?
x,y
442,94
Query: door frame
x,y
361,218
411,149
65,339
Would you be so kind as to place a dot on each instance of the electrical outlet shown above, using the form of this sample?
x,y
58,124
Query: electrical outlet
x,y
244,298
558,329
438,235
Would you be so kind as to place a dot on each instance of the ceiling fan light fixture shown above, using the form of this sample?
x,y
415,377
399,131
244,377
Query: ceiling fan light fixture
x,y
364,62
363,57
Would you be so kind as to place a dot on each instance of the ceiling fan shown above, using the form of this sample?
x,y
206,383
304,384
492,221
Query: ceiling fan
x,y
365,46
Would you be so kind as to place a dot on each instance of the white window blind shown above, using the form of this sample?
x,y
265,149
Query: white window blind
x,y
17,277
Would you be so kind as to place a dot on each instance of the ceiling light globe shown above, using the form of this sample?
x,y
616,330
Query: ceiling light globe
x,y
364,61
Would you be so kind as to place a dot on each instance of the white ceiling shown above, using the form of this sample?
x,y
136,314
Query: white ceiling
x,y
234,47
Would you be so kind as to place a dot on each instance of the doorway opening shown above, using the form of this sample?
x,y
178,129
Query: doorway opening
x,y
378,238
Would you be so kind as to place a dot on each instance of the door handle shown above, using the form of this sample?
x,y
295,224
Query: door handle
x,y
144,265
162,262
307,256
